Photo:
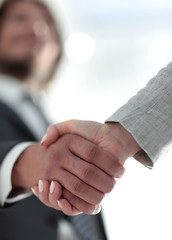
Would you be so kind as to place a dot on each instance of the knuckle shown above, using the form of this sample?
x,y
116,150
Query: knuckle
x,y
99,199
120,172
68,139
111,171
69,196
57,155
79,203
88,208
52,156
47,172
50,127
117,170
78,187
88,173
72,200
110,186
113,168
52,163
92,152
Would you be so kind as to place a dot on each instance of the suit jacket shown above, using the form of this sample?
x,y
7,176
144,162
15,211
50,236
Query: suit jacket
x,y
28,219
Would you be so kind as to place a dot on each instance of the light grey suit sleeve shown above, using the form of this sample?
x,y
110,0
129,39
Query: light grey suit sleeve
x,y
148,117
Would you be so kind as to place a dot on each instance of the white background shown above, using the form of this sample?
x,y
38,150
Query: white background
x,y
129,42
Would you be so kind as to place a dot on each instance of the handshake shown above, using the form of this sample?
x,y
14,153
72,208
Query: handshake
x,y
75,165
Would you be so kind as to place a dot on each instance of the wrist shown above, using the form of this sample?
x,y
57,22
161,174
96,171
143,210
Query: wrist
x,y
127,145
24,170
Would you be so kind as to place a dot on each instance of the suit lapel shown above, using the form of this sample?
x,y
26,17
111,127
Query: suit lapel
x,y
16,120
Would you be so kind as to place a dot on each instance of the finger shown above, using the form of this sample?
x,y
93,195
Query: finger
x,y
72,182
74,204
43,192
80,188
35,190
89,173
86,129
51,136
64,205
68,180
70,204
79,204
85,170
95,155
55,194
67,208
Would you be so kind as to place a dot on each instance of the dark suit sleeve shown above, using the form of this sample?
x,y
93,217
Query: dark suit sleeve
x,y
29,218
12,130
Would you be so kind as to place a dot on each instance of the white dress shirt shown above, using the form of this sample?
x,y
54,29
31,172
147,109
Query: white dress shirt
x,y
12,93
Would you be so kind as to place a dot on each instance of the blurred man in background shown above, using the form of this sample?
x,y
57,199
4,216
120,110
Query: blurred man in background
x,y
30,50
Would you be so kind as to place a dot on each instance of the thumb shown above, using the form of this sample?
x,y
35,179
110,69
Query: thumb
x,y
85,129
55,131
50,137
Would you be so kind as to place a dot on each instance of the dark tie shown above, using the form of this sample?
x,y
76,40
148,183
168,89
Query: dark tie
x,y
36,104
89,227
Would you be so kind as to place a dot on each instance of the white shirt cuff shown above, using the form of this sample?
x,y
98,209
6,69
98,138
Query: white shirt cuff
x,y
6,171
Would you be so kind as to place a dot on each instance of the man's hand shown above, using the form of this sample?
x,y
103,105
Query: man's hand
x,y
85,171
111,137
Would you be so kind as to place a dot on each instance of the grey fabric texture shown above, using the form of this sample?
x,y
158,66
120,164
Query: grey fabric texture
x,y
148,116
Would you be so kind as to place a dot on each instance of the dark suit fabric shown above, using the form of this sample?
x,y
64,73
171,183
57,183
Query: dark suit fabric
x,y
28,219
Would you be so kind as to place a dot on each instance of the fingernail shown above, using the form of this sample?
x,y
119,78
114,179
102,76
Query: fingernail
x,y
43,139
52,187
59,203
97,209
34,192
41,186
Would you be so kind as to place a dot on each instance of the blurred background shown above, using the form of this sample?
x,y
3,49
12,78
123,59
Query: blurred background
x,y
111,49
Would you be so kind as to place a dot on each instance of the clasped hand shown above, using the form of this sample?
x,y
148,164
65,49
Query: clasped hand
x,y
88,156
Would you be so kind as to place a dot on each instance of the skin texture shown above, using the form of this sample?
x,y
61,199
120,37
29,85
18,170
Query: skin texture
x,y
73,162
111,137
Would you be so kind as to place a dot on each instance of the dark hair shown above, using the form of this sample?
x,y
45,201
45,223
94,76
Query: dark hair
x,y
6,4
